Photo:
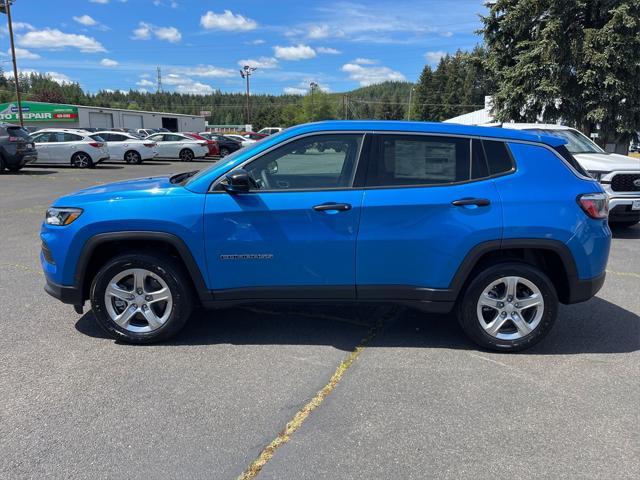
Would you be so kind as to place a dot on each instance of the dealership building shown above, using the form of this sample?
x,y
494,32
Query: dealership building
x,y
43,115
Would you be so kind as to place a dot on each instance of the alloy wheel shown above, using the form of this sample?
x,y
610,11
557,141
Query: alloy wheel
x,y
138,300
510,308
82,160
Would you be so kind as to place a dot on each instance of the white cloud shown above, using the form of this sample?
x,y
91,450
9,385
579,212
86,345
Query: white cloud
x,y
370,75
257,41
107,62
447,34
262,62
434,57
85,20
103,2
175,79
24,54
365,61
227,21
296,52
57,77
143,82
295,91
318,31
54,39
208,71
195,88
145,30
22,26
328,51
170,34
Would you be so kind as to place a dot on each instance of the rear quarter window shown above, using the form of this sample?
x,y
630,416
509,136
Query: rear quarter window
x,y
498,157
571,160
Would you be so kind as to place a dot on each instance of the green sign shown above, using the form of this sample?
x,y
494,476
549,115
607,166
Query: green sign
x,y
38,112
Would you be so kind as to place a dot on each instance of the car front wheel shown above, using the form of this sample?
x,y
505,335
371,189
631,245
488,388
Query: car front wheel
x,y
508,307
141,298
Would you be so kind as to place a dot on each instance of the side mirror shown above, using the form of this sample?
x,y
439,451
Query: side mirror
x,y
238,181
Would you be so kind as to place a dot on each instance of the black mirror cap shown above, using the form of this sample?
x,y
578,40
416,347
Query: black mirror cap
x,y
237,181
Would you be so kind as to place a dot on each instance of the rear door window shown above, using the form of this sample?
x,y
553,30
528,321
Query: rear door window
x,y
403,160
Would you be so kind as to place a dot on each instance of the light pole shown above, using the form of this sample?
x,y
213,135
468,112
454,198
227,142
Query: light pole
x,y
6,8
313,86
409,109
246,72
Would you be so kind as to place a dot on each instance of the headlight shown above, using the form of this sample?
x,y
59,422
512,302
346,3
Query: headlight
x,y
62,216
597,174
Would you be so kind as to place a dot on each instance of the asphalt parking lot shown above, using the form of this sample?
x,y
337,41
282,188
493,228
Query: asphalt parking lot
x,y
418,400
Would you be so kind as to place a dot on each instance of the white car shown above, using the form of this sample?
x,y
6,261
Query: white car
x,y
270,130
69,146
176,145
619,175
245,142
145,132
124,146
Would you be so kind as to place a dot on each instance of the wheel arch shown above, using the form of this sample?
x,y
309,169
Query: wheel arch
x,y
101,247
552,256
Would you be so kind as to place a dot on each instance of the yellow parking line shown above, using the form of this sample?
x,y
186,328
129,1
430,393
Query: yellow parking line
x,y
624,274
298,419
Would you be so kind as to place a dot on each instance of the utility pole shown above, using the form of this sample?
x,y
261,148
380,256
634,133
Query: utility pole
x,y
6,8
409,109
246,73
313,86
159,87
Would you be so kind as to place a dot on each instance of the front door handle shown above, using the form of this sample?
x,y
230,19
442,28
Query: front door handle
x,y
339,207
479,202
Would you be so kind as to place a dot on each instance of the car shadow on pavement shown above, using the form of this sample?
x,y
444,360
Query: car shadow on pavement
x,y
596,326
626,233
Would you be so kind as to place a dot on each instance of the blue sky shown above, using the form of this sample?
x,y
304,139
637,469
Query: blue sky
x,y
201,44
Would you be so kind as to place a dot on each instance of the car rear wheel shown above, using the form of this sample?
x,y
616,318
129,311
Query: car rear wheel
x,y
81,160
141,298
508,307
186,155
132,157
224,152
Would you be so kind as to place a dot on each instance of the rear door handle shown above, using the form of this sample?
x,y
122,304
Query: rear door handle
x,y
339,207
479,202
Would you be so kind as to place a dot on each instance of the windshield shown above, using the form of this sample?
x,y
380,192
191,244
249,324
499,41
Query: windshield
x,y
576,141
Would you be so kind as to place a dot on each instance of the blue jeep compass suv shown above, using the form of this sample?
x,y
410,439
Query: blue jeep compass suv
x,y
498,225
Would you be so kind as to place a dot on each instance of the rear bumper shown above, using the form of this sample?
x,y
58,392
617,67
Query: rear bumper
x,y
583,290
20,159
64,293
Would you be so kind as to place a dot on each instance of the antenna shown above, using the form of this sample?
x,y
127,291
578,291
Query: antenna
x,y
159,89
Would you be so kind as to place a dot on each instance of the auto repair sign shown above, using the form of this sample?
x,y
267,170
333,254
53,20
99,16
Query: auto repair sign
x,y
38,112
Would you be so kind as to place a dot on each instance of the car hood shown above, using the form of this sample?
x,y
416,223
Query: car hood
x,y
139,187
607,162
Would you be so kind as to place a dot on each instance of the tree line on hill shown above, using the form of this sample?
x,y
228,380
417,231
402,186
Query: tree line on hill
x,y
575,61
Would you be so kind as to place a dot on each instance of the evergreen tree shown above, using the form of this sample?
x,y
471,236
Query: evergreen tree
x,y
577,61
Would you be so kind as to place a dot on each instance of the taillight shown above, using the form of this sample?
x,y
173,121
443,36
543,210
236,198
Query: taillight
x,y
96,144
14,139
596,205
149,145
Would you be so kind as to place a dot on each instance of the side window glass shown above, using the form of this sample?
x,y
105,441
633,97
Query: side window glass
x,y
479,167
419,160
315,162
498,157
69,137
42,138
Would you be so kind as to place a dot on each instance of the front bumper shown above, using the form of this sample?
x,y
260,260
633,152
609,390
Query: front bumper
x,y
64,293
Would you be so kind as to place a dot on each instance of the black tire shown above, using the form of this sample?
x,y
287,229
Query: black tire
x,y
1,164
186,155
14,168
628,224
224,151
81,160
166,268
132,157
467,306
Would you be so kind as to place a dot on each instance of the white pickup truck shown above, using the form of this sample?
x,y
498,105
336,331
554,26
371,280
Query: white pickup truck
x,y
618,174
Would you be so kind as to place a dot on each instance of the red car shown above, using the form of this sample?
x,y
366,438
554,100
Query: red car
x,y
212,145
253,135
